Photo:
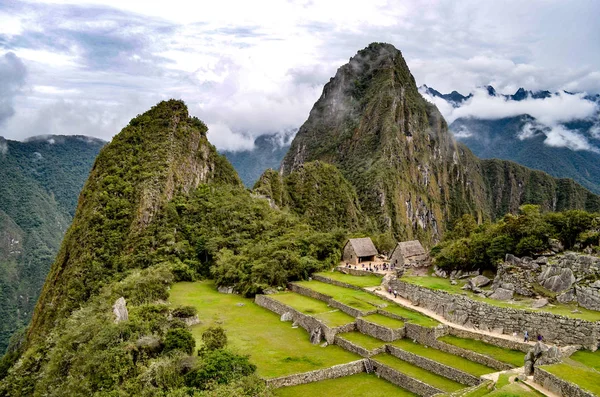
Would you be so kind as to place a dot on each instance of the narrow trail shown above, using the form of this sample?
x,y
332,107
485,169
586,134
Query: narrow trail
x,y
434,315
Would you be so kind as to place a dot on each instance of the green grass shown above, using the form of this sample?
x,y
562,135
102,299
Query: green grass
x,y
515,390
520,303
359,281
348,386
578,374
503,380
362,340
274,346
430,378
385,321
314,307
448,359
412,316
513,357
588,358
360,300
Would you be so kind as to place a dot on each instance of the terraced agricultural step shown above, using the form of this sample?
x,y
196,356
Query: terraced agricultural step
x,y
509,358
381,327
314,307
411,377
445,364
361,344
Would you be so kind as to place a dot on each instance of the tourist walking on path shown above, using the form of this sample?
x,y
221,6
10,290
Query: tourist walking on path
x,y
540,338
526,338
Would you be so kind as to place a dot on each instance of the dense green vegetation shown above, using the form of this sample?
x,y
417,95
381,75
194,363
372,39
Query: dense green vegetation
x,y
41,180
160,206
471,246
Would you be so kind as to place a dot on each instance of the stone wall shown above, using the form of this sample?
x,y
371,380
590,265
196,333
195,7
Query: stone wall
x,y
309,292
472,356
354,348
337,371
330,301
307,322
557,385
379,331
435,367
354,272
406,382
492,340
460,309
334,282
425,335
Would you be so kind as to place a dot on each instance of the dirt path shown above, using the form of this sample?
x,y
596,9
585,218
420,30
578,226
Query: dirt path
x,y
432,314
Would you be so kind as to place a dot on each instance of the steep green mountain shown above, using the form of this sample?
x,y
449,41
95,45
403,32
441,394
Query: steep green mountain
x,y
267,153
41,179
160,205
412,179
504,139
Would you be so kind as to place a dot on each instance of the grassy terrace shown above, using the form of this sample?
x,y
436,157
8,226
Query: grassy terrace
x,y
413,371
349,386
275,347
314,307
513,357
448,359
362,340
359,281
523,303
588,358
412,316
360,300
385,321
576,373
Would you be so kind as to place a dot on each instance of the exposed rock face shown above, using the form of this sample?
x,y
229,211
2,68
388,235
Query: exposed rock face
x,y
394,148
541,354
316,336
225,290
502,294
538,304
287,316
120,310
556,279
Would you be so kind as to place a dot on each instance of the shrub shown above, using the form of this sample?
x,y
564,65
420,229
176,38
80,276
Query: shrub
x,y
179,339
184,311
214,338
220,367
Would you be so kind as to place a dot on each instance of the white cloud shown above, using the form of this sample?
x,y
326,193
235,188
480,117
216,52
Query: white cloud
x,y
528,131
463,132
559,136
3,147
223,138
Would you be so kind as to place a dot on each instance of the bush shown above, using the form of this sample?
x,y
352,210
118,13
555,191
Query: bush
x,y
220,367
184,311
214,338
179,339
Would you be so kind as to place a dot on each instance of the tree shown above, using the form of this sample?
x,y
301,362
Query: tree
x,y
180,339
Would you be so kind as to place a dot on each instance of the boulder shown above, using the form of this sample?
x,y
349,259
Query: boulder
x,y
556,279
539,303
502,294
479,281
556,246
513,260
225,290
120,310
588,297
287,316
567,297
541,354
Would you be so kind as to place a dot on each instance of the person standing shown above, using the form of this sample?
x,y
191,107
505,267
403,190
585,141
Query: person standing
x,y
526,337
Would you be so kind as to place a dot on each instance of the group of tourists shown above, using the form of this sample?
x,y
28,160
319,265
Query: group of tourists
x,y
540,338
370,267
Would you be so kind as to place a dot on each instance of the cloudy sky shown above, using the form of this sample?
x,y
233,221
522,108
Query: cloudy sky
x,y
253,67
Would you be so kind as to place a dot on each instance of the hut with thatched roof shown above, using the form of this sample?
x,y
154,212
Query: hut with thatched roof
x,y
409,253
359,250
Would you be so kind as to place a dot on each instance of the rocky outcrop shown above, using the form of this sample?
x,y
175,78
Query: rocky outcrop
x,y
502,294
541,354
120,310
555,278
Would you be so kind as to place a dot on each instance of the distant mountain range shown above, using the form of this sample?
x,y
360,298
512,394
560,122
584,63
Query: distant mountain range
x,y
523,138
40,181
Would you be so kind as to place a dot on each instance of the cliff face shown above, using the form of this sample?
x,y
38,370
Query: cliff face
x,y
160,153
394,148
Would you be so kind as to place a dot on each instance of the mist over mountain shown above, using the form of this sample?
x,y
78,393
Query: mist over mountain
x,y
267,153
558,133
40,181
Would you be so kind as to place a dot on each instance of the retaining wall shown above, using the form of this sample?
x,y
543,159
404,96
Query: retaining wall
x,y
492,340
337,371
330,301
307,322
406,382
309,292
425,335
460,309
334,282
379,331
354,348
557,385
435,367
355,272
472,356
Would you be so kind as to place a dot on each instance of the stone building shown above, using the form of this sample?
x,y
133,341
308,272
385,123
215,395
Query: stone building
x,y
359,250
409,253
